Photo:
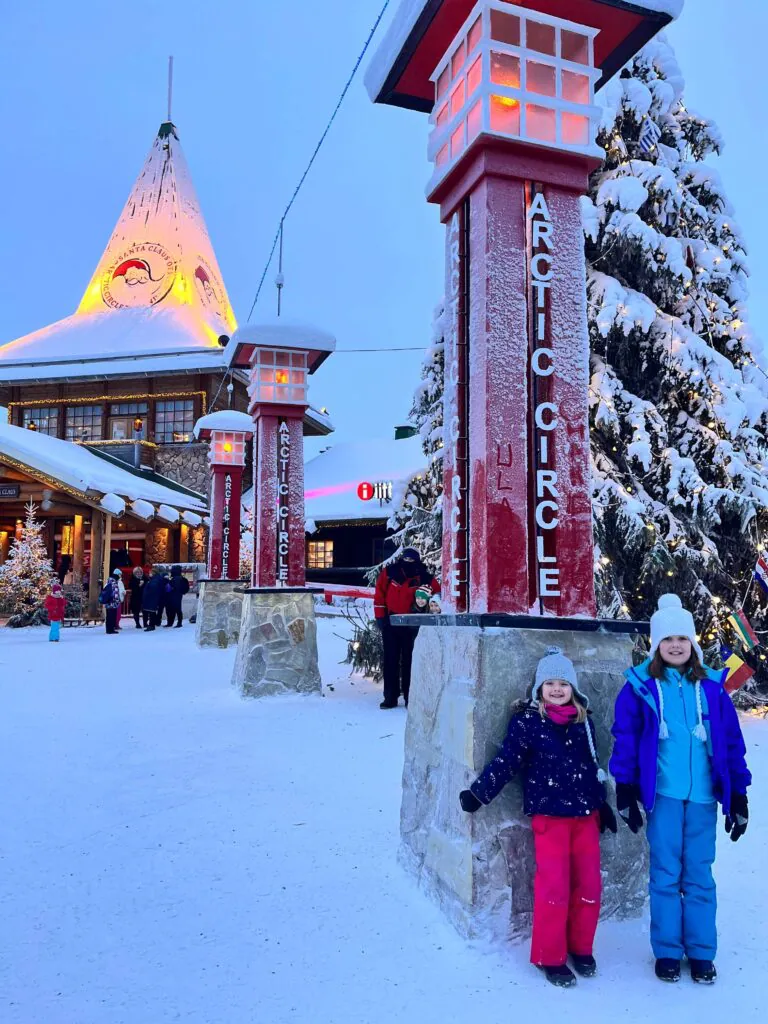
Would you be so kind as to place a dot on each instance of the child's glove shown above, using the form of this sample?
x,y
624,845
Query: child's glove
x,y
469,801
737,818
607,820
627,796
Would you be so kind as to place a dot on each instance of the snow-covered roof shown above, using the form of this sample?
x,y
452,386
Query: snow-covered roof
x,y
331,478
413,18
98,476
226,419
157,288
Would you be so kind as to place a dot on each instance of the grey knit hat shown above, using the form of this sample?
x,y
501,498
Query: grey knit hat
x,y
555,665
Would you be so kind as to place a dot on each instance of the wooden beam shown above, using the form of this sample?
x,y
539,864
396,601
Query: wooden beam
x,y
97,551
78,548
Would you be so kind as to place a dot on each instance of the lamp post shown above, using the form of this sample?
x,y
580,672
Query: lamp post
x,y
228,433
277,647
279,359
509,89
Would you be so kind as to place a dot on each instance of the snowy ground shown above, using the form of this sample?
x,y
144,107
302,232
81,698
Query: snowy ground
x,y
171,853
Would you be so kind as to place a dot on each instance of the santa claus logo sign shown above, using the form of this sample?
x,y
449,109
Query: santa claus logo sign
x,y
141,276
208,289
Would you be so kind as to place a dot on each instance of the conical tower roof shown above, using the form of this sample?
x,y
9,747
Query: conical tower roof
x,y
160,253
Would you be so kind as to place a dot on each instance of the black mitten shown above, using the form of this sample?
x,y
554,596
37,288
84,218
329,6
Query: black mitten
x,y
627,804
608,819
469,801
737,818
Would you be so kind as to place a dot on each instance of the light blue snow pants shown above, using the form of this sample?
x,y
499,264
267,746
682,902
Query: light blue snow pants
x,y
54,631
682,837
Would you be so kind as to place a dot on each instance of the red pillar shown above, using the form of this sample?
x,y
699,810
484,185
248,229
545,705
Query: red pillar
x,y
517,481
279,531
224,542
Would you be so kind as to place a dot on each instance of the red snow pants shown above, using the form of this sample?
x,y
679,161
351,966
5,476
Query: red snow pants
x,y
566,892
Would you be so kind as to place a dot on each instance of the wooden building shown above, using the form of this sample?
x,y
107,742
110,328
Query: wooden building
x,y
137,363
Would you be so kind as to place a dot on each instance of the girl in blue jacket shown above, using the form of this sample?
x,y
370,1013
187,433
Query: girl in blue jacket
x,y
679,751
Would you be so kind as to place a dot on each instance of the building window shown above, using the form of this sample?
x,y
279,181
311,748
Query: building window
x,y
44,419
130,408
84,422
320,554
123,419
174,421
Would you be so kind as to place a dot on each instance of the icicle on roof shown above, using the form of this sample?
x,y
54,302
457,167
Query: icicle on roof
x,y
160,253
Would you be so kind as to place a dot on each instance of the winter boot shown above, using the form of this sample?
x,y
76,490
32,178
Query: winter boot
x,y
385,704
585,966
561,976
667,969
703,971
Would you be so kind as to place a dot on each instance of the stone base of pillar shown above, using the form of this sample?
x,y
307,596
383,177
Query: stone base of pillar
x,y
219,611
277,649
479,868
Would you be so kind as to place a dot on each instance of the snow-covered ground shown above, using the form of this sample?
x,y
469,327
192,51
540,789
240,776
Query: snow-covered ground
x,y
169,852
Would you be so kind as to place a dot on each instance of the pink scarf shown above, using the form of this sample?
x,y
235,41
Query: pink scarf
x,y
562,714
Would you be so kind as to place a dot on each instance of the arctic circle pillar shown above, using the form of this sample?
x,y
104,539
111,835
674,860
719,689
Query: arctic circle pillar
x,y
277,649
509,90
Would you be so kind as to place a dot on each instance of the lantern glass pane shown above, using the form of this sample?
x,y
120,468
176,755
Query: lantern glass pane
x,y
505,115
475,34
442,83
457,99
457,140
297,377
575,47
505,28
540,37
457,61
505,69
474,76
575,87
474,122
575,129
298,359
541,78
283,359
540,123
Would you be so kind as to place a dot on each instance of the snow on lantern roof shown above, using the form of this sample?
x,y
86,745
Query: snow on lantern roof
x,y
279,334
422,30
96,476
227,420
157,286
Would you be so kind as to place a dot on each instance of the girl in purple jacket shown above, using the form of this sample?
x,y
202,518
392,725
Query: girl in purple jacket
x,y
679,751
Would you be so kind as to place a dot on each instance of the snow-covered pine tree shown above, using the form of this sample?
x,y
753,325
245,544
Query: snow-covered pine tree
x,y
418,515
678,402
27,575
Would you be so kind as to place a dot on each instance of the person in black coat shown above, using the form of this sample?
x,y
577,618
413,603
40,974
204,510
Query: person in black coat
x,y
153,593
137,592
177,588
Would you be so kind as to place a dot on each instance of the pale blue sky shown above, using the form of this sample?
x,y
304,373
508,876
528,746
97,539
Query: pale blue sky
x,y
83,92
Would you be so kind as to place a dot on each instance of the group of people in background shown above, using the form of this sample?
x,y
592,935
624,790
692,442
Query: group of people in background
x,y
153,593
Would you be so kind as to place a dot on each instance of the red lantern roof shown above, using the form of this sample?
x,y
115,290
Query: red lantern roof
x,y
424,29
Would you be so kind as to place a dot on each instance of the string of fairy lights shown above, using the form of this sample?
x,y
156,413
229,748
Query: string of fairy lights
x,y
714,632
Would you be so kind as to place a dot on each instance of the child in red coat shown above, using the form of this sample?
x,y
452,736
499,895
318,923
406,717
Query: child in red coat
x,y
55,605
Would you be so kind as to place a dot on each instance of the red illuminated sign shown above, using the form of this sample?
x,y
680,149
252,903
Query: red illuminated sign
x,y
365,491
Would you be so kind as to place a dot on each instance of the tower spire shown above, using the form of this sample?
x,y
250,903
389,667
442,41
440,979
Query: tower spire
x,y
170,86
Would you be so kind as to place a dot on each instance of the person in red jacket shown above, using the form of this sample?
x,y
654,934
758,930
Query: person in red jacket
x,y
55,605
395,591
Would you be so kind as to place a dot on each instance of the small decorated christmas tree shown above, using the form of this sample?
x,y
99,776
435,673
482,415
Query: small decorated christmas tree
x,y
27,575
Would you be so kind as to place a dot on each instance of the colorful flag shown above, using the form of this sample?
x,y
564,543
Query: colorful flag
x,y
650,134
738,671
740,624
761,573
